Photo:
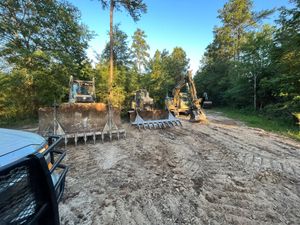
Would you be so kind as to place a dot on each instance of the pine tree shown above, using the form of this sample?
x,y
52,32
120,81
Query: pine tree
x,y
140,50
135,8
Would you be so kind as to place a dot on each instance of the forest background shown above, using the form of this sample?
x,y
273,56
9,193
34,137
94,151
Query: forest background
x,y
250,64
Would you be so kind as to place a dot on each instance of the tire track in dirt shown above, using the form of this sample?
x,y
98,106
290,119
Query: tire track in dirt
x,y
199,174
262,156
206,167
238,211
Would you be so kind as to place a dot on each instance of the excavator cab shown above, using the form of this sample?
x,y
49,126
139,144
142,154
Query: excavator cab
x,y
183,104
81,91
142,100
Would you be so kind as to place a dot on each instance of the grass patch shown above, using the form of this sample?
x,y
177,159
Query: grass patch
x,y
254,119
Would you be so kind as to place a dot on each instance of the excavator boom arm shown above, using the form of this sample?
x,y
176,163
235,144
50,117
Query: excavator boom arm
x,y
176,91
186,80
195,109
192,87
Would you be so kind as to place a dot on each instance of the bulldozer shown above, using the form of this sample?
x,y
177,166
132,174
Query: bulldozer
x,y
81,117
178,103
143,115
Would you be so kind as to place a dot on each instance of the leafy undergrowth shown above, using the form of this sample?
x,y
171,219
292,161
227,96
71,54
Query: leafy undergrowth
x,y
254,119
19,123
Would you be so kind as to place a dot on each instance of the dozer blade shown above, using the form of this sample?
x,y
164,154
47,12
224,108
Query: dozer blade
x,y
111,127
155,119
81,120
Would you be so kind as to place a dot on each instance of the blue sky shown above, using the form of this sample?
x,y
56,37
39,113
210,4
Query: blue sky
x,y
167,24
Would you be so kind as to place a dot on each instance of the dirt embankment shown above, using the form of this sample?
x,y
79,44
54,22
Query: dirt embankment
x,y
217,173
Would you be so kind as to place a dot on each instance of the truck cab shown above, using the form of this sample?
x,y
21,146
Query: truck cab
x,y
32,178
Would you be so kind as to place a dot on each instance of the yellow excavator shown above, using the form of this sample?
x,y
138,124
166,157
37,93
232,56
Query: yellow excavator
x,y
178,104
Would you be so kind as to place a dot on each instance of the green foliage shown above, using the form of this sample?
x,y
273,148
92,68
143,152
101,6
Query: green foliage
x,y
125,83
157,80
214,79
286,55
121,52
236,17
165,70
125,76
178,64
140,50
42,44
262,121
249,64
28,26
135,8
246,74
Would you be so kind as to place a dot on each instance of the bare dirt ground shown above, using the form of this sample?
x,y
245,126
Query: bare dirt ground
x,y
222,172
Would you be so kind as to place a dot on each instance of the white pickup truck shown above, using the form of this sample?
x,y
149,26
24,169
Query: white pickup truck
x,y
32,178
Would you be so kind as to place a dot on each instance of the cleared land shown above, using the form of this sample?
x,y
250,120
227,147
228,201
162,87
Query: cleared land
x,y
222,172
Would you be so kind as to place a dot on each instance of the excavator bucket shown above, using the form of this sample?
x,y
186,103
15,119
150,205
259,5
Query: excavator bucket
x,y
197,115
153,119
81,120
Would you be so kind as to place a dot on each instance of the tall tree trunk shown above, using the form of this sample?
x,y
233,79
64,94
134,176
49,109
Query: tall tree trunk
x,y
111,71
139,65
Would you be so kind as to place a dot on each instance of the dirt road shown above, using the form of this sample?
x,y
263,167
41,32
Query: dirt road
x,y
217,173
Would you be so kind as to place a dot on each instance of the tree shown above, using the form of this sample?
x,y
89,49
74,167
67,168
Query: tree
x,y
117,94
221,75
140,49
178,64
121,51
27,27
256,56
164,71
43,43
286,56
237,19
157,78
213,78
135,8
249,64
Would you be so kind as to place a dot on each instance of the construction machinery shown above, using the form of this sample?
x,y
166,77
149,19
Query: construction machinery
x,y
176,105
81,91
296,116
183,104
143,114
206,103
81,117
